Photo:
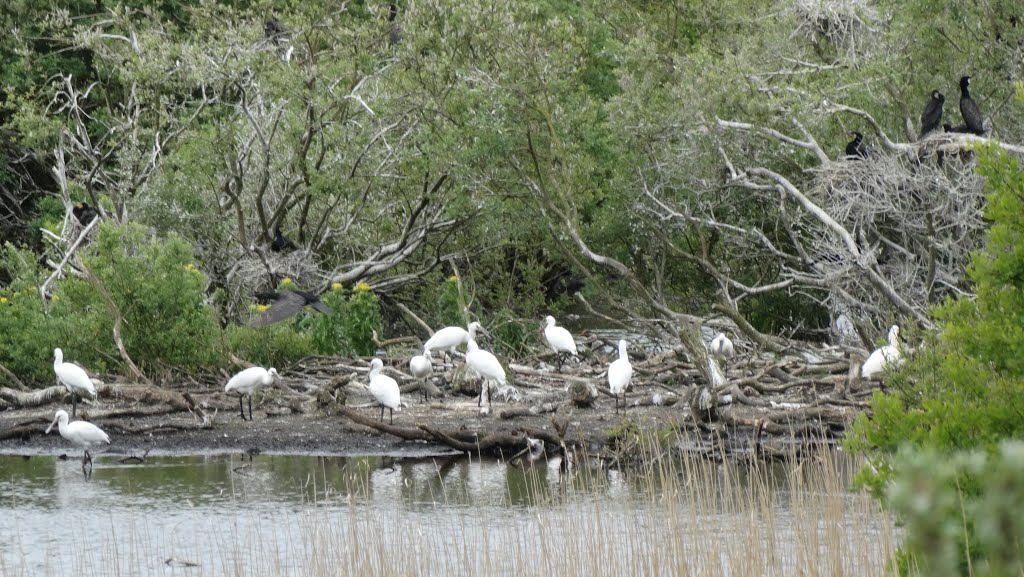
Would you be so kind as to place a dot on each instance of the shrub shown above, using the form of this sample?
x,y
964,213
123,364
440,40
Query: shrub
x,y
271,346
961,511
348,329
158,291
27,334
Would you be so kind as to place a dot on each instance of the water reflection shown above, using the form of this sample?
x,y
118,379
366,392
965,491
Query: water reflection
x,y
271,515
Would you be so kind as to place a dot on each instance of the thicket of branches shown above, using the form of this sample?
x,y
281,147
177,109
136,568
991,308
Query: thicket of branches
x,y
684,162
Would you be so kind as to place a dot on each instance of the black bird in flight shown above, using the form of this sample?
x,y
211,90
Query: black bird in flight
x,y
973,120
931,118
285,305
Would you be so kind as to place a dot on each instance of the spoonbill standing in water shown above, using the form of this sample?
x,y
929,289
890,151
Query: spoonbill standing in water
x,y
248,382
560,340
385,390
80,433
74,378
620,372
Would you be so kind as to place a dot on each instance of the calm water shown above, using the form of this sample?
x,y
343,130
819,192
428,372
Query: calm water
x,y
298,515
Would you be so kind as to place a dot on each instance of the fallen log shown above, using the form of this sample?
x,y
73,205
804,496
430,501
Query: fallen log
x,y
36,398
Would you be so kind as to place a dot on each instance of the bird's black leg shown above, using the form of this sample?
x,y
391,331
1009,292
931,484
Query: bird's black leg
x,y
250,406
391,415
382,413
241,411
74,403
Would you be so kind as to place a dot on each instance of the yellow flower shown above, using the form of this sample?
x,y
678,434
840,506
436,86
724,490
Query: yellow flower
x,y
361,287
286,280
56,297
336,286
3,300
261,308
453,278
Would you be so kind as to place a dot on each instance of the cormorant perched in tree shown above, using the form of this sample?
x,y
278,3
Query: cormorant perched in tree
x,y
281,242
84,213
856,148
395,34
931,118
273,29
973,120
286,304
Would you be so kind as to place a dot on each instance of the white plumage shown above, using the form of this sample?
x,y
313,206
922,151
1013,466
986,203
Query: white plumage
x,y
421,367
620,372
721,347
74,378
385,390
80,433
451,337
486,365
883,357
559,339
248,382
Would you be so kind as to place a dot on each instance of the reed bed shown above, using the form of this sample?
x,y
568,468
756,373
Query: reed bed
x,y
663,516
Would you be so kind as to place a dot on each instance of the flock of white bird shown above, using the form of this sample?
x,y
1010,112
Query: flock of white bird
x,y
385,391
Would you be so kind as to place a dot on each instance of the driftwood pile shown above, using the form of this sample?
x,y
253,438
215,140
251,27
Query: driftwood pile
x,y
805,392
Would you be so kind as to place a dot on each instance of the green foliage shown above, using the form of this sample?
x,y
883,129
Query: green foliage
x,y
26,332
271,346
965,387
962,390
159,292
363,319
961,512
349,328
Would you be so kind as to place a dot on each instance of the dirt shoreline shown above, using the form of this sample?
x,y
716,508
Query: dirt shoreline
x,y
179,433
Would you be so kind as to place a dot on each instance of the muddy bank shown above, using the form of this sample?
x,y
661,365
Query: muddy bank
x,y
322,408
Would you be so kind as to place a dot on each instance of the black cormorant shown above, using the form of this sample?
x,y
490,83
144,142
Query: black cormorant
x,y
84,213
931,118
273,29
973,119
281,242
857,148
395,34
285,305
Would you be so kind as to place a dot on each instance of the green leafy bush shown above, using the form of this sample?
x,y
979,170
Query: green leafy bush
x,y
158,291
962,512
964,387
27,335
349,328
271,346
364,318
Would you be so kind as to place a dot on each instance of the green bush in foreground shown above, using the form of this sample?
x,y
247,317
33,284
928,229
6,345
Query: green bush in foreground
x,y
956,483
962,513
964,387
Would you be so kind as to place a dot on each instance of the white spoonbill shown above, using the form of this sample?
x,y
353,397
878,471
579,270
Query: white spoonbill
x,y
882,357
81,434
248,382
559,339
620,372
385,390
487,366
421,367
721,347
74,378
451,337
